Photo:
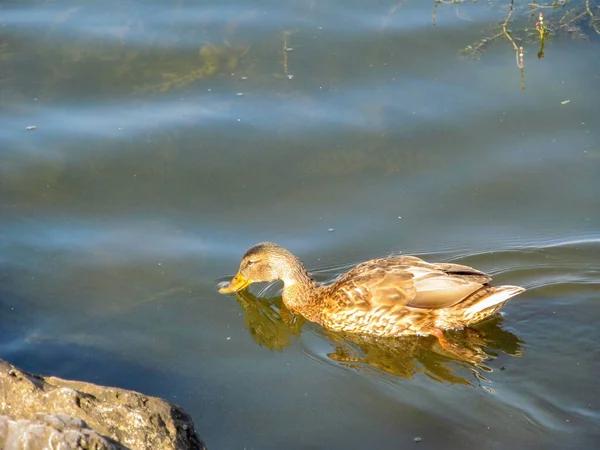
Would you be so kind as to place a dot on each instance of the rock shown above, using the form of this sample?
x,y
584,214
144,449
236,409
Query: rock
x,y
58,431
77,414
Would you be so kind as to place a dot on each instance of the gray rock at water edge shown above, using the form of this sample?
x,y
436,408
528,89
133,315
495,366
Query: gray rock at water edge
x,y
60,432
77,414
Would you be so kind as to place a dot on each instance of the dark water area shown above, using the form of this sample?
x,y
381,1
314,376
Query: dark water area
x,y
170,136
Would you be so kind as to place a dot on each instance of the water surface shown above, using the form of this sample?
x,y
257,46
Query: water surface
x,y
171,136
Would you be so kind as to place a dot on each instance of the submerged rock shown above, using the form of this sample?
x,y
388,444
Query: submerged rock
x,y
38,411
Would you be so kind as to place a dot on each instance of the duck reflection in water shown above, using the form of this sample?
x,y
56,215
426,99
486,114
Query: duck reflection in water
x,y
274,326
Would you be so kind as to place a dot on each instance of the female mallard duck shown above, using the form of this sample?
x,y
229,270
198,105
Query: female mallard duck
x,y
393,296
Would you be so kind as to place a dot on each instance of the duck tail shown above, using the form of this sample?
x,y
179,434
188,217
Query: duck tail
x,y
487,300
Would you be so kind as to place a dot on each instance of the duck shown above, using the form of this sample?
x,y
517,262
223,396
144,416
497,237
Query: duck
x,y
386,297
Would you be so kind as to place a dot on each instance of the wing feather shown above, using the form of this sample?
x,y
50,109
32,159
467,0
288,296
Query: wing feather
x,y
405,281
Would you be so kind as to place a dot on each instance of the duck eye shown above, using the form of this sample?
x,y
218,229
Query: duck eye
x,y
249,262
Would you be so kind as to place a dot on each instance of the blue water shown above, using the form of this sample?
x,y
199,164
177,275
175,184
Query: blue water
x,y
172,136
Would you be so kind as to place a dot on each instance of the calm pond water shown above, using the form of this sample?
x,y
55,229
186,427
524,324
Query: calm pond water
x,y
172,135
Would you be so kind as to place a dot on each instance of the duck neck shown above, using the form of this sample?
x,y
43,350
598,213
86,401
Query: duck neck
x,y
300,292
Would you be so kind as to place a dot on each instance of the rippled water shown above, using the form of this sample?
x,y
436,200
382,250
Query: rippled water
x,y
171,136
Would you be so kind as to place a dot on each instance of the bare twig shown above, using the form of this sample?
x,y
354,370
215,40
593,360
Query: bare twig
x,y
518,50
437,2
285,52
593,18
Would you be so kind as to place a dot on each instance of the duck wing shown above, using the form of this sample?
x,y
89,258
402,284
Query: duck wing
x,y
405,281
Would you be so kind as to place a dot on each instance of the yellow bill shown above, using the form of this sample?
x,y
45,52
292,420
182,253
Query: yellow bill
x,y
238,283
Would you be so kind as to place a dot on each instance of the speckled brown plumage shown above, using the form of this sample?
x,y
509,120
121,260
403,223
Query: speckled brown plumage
x,y
393,296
